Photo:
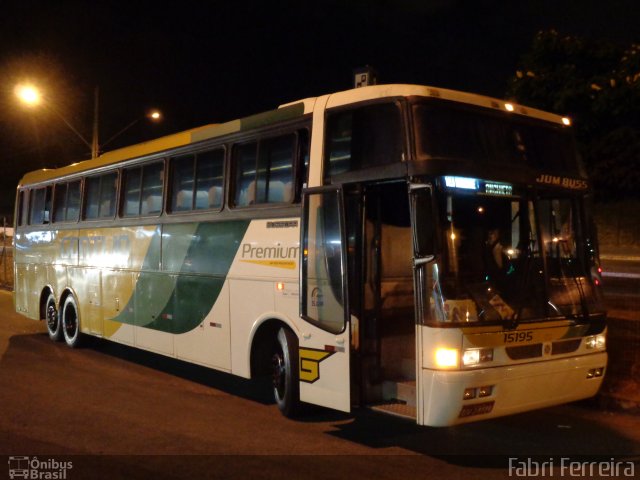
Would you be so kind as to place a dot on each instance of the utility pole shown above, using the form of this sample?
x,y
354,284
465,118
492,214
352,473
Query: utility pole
x,y
95,149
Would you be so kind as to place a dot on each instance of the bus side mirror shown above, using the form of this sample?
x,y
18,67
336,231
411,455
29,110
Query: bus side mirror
x,y
423,223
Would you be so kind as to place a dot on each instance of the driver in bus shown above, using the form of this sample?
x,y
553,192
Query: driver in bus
x,y
495,258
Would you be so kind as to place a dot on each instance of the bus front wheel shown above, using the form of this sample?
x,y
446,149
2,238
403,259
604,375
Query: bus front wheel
x,y
286,389
54,325
71,323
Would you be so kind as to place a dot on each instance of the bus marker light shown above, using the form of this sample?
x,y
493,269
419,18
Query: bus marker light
x,y
280,286
509,107
566,121
485,391
469,393
447,357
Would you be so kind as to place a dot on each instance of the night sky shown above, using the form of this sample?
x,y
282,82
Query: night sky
x,y
213,61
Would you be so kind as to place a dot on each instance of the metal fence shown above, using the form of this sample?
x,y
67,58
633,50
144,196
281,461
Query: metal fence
x,y
6,256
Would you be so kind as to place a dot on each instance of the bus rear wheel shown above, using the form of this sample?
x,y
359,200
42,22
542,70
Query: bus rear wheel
x,y
71,323
54,325
284,365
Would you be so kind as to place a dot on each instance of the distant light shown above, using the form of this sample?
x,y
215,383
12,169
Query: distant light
x,y
453,236
28,94
509,107
480,209
566,121
155,115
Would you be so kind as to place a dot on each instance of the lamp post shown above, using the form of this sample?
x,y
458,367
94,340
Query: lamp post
x,y
30,96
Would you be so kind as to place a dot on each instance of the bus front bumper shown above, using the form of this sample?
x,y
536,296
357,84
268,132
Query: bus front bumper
x,y
499,391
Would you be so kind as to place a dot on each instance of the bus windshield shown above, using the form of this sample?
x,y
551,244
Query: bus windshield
x,y
487,137
510,257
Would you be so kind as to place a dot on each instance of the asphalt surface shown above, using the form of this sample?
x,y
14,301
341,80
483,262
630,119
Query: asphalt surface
x,y
116,412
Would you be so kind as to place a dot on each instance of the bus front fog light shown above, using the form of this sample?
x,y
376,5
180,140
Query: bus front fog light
x,y
485,391
591,373
598,372
469,393
471,357
475,356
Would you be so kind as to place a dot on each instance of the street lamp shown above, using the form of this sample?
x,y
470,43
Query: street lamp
x,y
30,95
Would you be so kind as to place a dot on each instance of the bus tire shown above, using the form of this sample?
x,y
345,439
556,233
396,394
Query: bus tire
x,y
52,318
286,389
71,323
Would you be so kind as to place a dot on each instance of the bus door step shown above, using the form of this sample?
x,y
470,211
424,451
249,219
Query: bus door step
x,y
399,409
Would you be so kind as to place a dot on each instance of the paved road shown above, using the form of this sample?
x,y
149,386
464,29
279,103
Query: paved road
x,y
100,405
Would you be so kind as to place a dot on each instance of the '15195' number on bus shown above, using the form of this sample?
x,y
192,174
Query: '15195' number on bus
x,y
517,337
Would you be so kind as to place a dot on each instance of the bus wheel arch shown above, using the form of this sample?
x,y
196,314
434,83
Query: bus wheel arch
x,y
50,313
70,315
274,352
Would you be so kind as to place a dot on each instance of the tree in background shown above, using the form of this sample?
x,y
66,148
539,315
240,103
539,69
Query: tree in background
x,y
597,84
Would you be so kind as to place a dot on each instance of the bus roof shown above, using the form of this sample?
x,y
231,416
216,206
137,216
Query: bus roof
x,y
283,112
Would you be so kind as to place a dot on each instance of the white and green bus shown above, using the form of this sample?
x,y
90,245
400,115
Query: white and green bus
x,y
424,252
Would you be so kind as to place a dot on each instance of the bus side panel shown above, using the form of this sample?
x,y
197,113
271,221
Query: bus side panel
x,y
209,344
117,288
250,301
85,282
21,291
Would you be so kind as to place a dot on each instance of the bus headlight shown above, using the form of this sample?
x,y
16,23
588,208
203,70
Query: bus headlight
x,y
447,357
475,356
596,342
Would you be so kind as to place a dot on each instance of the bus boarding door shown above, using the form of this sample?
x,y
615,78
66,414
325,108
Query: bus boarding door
x,y
324,337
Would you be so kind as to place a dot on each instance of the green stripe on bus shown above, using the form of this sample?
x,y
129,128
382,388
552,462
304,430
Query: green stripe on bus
x,y
196,258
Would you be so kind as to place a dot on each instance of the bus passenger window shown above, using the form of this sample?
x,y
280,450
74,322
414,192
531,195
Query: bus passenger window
x,y
132,178
23,207
264,171
152,183
60,202
209,170
245,162
197,181
66,202
182,184
73,202
40,206
101,196
275,170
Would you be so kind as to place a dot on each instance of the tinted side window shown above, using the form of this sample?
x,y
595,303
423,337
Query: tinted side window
x,y
244,159
143,190
101,196
197,181
275,170
209,171
40,211
73,202
264,170
67,202
60,203
364,137
23,207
